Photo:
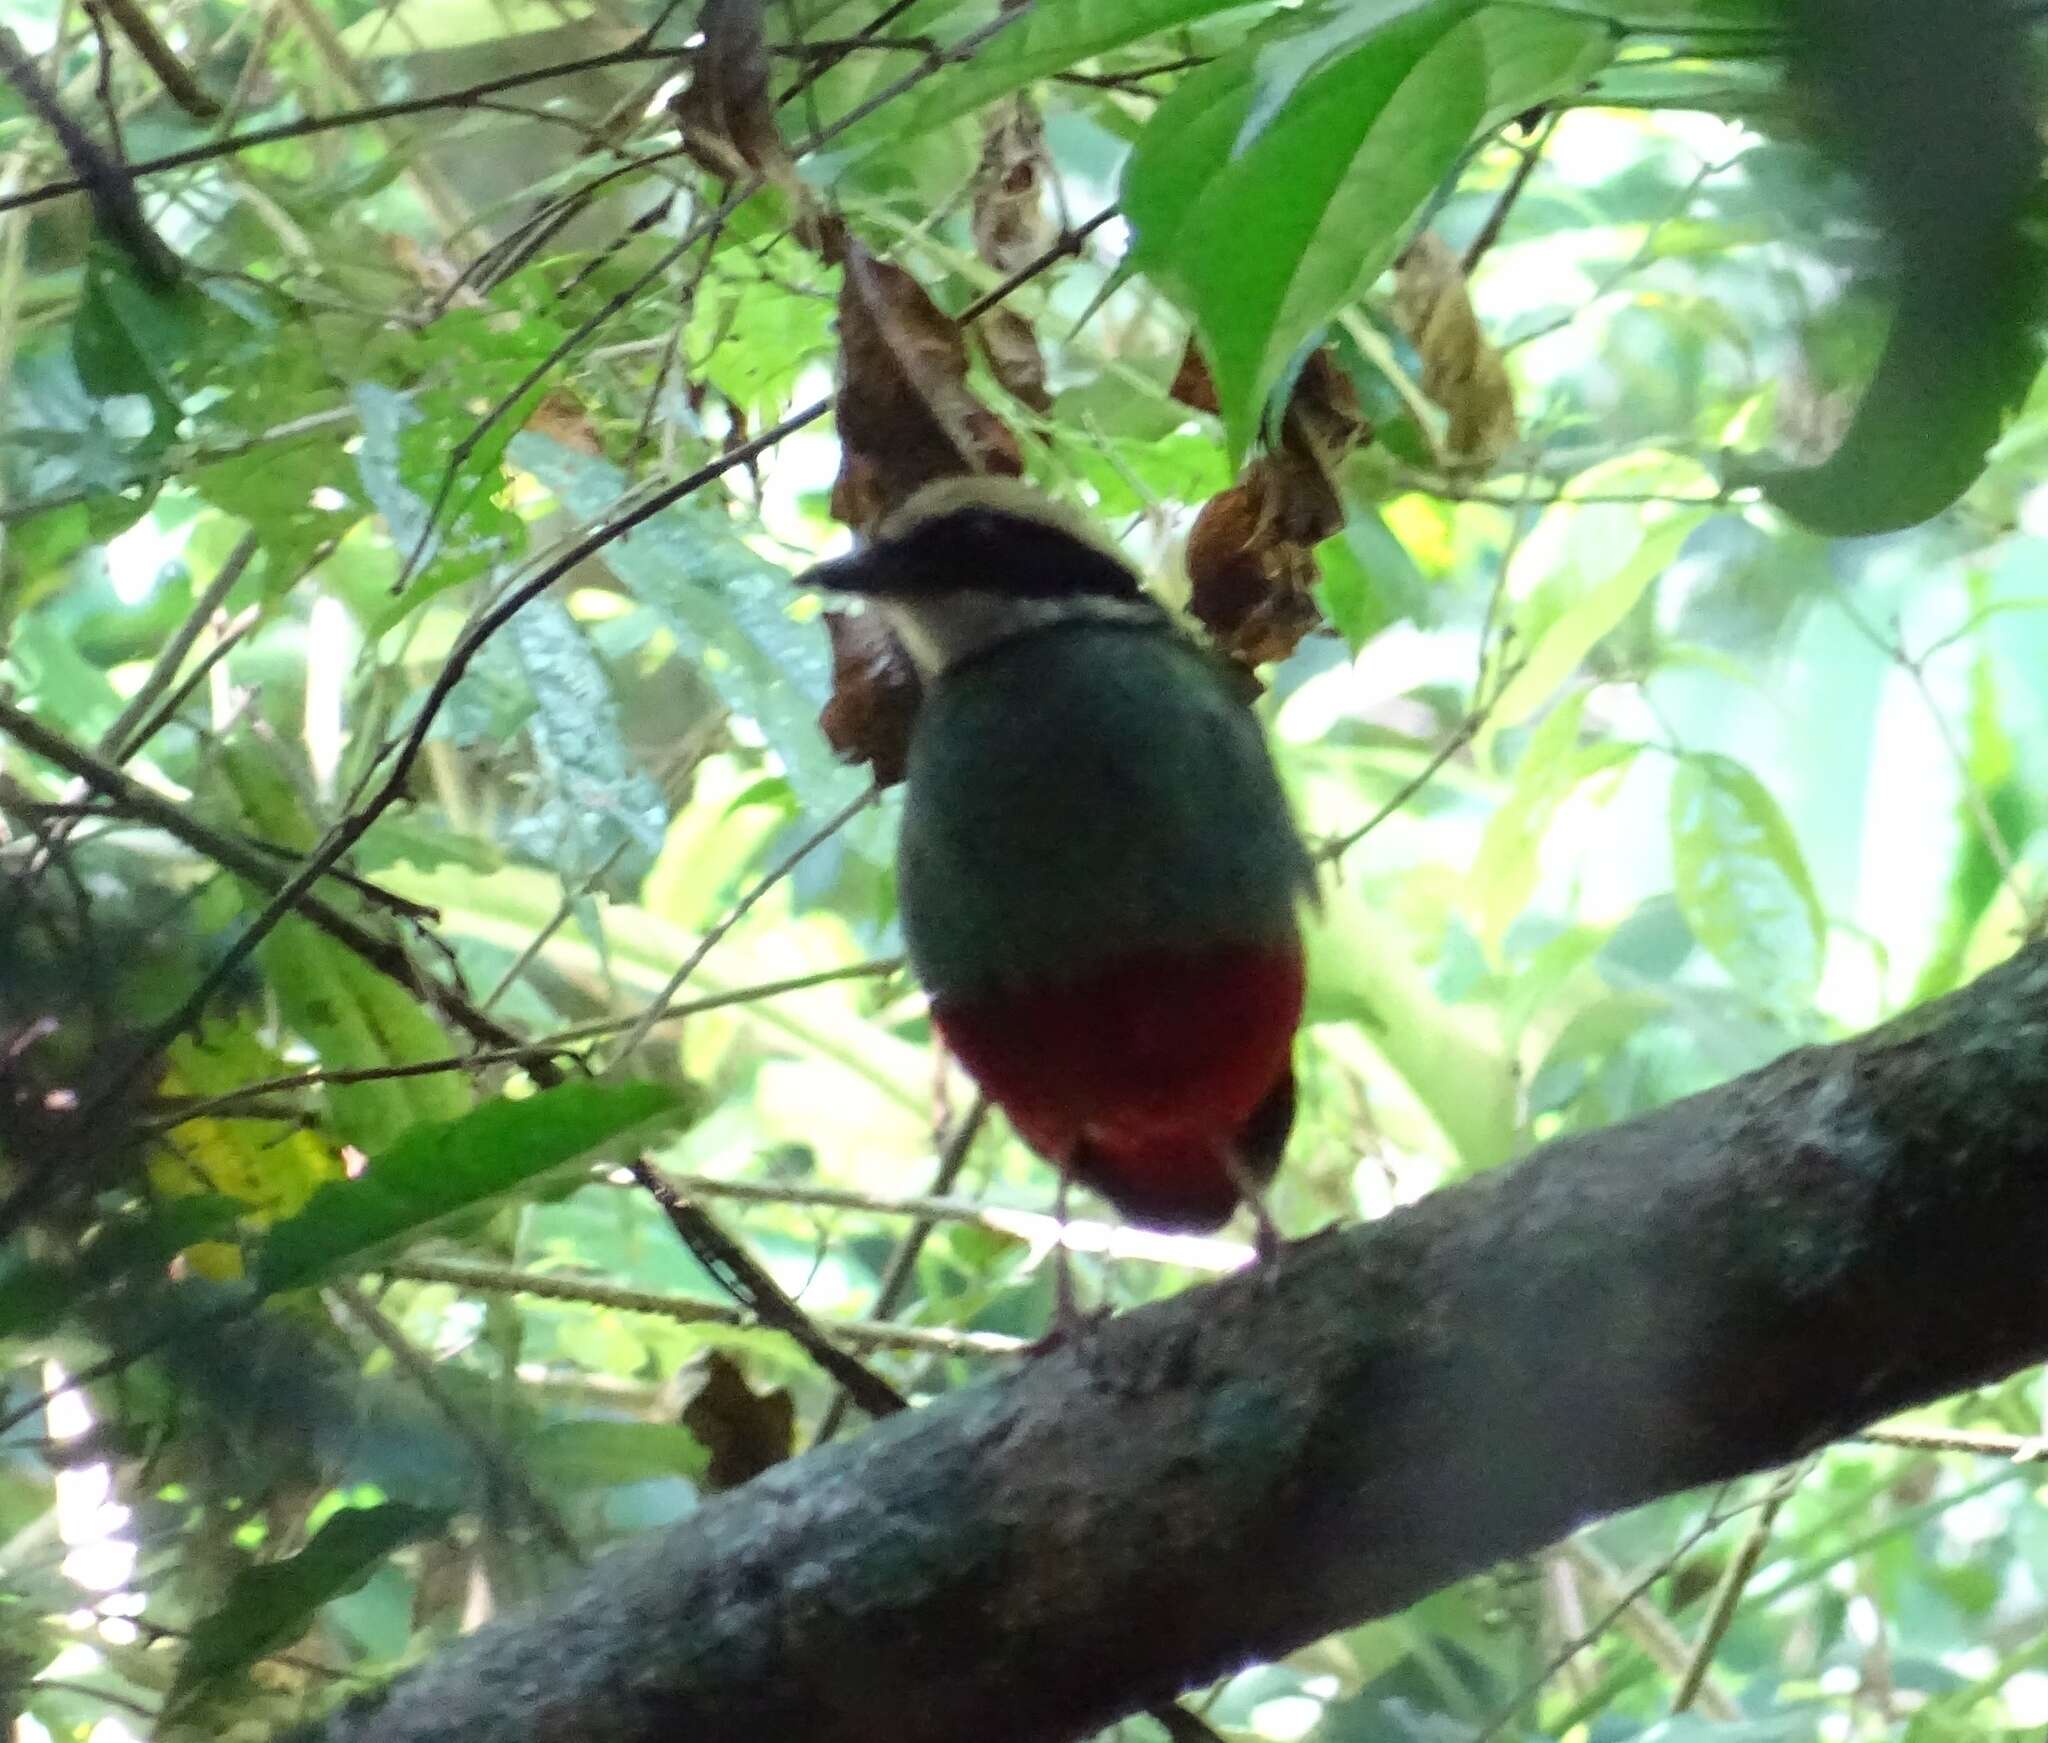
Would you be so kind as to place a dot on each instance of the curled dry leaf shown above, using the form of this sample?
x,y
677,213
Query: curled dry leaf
x,y
1011,349
1251,553
906,415
1011,230
726,114
1248,586
561,417
744,1431
1011,225
1192,383
1461,371
875,693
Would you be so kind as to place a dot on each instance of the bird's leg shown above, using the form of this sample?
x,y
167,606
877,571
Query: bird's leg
x,y
1268,1241
1069,1321
1066,1308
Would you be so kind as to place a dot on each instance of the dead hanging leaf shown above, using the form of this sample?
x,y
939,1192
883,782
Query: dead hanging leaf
x,y
1461,371
906,415
1012,227
746,1432
1011,230
1011,350
1192,383
726,114
1249,587
875,693
561,417
1251,553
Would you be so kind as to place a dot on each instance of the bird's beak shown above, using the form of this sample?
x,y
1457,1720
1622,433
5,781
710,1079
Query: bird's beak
x,y
856,572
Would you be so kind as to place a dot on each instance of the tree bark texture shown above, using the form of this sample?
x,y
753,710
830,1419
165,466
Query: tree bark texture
x,y
1709,1290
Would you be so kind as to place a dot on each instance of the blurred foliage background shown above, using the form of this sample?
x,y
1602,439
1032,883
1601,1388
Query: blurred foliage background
x,y
1629,772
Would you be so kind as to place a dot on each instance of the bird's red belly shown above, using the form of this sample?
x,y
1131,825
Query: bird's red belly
x,y
1154,1049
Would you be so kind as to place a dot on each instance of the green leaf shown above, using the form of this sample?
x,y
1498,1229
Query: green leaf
x,y
1277,182
1052,36
1266,192
128,337
728,610
1742,882
1556,650
268,1606
436,1170
1950,380
599,799
599,1454
1552,768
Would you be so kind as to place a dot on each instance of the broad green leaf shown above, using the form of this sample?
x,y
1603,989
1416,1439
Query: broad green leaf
x,y
436,1170
269,1605
1742,882
598,797
1276,183
1947,386
1558,648
1552,768
128,337
356,1017
1267,217
601,1454
1052,36
728,610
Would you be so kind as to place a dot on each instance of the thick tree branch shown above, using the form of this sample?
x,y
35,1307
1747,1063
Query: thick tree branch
x,y
1710,1290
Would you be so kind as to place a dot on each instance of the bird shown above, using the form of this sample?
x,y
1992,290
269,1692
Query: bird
x,y
1099,877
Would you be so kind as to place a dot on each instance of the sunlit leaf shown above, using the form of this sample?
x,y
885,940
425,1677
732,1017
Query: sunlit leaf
x,y
437,1170
1742,882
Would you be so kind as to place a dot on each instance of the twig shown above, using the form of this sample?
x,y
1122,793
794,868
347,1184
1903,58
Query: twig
x,y
502,1468
1728,1593
113,743
903,1261
246,862
743,1279
342,119
1489,232
1467,730
526,1053
172,73
106,184
690,1309
738,912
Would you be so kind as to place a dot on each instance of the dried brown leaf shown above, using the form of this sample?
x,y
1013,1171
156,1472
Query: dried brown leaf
x,y
1248,586
561,417
1011,347
1251,553
1011,225
746,1432
906,415
1461,371
726,115
875,693
1192,384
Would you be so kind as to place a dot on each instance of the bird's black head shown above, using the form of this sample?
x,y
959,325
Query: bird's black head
x,y
981,535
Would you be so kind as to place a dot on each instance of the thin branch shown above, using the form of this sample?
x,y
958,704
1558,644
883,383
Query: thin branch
x,y
1467,730
690,1309
176,78
738,912
1496,220
502,1467
1734,1578
524,1053
342,119
742,1278
163,670
108,185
